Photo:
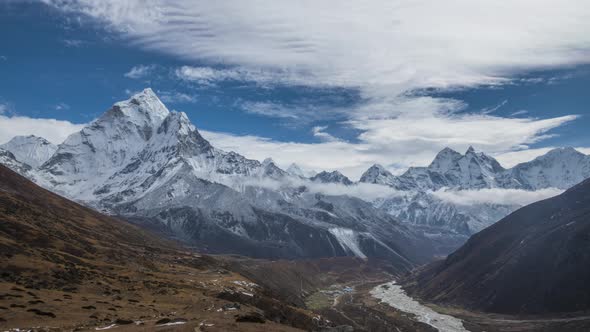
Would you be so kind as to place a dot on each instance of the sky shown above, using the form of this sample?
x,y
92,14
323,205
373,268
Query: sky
x,y
326,84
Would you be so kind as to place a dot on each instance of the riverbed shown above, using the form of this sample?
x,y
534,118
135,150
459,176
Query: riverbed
x,y
393,295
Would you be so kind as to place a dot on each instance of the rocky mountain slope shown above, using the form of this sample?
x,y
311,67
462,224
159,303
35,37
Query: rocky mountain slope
x,y
536,260
149,165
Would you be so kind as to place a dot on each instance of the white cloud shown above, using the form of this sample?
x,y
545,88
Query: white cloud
x,y
4,109
74,42
365,191
53,130
319,132
269,109
302,112
521,112
176,97
384,50
388,43
495,196
263,77
140,71
62,106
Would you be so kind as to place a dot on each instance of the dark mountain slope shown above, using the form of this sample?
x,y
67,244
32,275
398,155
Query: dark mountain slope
x,y
68,267
536,260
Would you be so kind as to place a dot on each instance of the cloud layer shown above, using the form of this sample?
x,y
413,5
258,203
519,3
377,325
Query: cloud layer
x,y
495,196
407,43
53,130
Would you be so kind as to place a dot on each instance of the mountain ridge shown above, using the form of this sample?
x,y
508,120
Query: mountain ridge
x,y
418,204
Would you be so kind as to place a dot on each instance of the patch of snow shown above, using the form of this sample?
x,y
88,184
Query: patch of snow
x,y
106,327
348,239
173,323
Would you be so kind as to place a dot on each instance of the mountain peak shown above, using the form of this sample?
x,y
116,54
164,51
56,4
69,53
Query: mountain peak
x,y
378,167
24,139
31,150
142,106
331,177
377,174
563,151
268,161
445,159
470,150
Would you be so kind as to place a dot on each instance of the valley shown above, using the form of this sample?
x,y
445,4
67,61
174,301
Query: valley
x,y
321,166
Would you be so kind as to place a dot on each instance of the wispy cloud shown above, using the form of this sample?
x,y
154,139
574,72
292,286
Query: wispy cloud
x,y
74,42
4,109
319,132
387,43
140,71
270,109
520,112
62,106
176,97
390,50
209,76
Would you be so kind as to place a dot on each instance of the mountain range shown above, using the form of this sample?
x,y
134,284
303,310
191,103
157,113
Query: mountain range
x,y
419,204
151,166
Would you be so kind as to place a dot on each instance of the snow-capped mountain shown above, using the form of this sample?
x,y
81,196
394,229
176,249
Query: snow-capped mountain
x,y
31,150
331,177
450,170
149,165
133,147
377,174
559,168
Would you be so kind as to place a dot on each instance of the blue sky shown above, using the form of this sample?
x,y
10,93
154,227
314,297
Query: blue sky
x,y
291,84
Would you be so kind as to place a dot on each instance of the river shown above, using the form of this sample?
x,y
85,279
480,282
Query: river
x,y
395,296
